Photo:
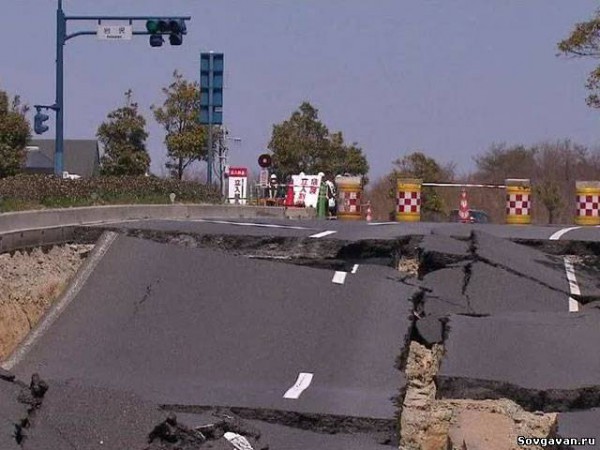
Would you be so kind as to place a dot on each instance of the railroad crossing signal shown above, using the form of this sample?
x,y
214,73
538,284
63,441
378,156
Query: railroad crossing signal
x,y
264,160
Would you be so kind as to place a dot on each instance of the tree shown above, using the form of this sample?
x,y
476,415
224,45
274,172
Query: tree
x,y
185,138
303,144
501,162
584,41
123,137
552,166
15,133
418,165
549,193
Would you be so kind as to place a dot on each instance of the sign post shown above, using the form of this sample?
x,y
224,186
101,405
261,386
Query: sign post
x,y
238,185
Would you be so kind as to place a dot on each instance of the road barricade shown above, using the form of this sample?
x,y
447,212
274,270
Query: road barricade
x,y
588,203
349,197
518,201
408,200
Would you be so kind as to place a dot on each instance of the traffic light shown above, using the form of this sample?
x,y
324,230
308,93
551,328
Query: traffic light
x,y
175,28
38,123
156,40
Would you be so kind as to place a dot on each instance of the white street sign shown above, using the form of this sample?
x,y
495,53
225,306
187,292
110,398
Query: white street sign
x,y
238,182
264,178
114,32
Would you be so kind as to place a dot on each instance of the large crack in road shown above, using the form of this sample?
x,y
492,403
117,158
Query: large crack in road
x,y
433,400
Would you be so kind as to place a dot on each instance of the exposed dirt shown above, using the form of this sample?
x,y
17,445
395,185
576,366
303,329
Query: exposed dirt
x,y
29,282
431,424
408,265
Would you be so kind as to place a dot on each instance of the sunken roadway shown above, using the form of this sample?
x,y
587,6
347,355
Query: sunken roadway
x,y
305,326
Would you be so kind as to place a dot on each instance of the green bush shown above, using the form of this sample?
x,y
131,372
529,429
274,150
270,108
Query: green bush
x,y
30,191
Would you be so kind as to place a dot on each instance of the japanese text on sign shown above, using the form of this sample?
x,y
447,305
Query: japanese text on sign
x,y
114,32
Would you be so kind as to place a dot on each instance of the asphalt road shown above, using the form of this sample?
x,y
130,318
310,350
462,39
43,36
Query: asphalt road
x,y
549,361
360,230
164,324
580,424
198,327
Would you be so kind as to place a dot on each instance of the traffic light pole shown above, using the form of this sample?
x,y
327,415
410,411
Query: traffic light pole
x,y
61,31
61,38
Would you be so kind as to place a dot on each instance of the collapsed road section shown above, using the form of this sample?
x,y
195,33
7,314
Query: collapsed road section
x,y
498,347
197,328
287,342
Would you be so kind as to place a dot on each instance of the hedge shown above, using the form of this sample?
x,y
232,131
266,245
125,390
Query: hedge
x,y
49,190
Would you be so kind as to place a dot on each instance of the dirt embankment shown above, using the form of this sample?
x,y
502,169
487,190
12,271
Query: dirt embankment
x,y
29,282
428,423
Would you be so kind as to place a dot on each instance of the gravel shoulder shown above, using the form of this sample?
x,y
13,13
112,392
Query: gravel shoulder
x,y
30,281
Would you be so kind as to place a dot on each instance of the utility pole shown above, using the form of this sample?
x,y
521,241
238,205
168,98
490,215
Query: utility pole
x,y
156,27
222,152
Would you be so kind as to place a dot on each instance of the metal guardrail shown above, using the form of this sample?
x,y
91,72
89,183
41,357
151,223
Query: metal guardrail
x,y
490,186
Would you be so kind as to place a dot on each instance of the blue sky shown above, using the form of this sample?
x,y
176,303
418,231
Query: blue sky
x,y
445,77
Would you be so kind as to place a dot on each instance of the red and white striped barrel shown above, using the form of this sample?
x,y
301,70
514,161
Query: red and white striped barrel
x,y
408,200
349,197
588,203
518,201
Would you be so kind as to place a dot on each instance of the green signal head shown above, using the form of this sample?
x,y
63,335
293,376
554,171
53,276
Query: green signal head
x,y
152,26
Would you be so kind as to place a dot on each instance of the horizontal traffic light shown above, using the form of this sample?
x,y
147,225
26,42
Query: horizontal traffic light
x,y
175,28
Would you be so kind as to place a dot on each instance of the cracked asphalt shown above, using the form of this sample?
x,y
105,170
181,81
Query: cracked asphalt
x,y
195,317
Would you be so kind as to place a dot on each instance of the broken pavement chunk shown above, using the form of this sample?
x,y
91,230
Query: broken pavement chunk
x,y
580,424
522,260
430,330
6,375
437,252
493,290
543,361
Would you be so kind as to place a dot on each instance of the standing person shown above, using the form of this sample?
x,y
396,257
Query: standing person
x,y
331,198
273,185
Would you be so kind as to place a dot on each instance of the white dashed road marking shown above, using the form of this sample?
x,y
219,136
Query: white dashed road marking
x,y
323,234
339,277
303,382
382,223
355,268
573,286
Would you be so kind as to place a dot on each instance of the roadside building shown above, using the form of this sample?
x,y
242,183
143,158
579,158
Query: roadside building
x,y
81,157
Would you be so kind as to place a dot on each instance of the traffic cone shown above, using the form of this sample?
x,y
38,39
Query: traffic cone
x,y
369,212
289,198
463,210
